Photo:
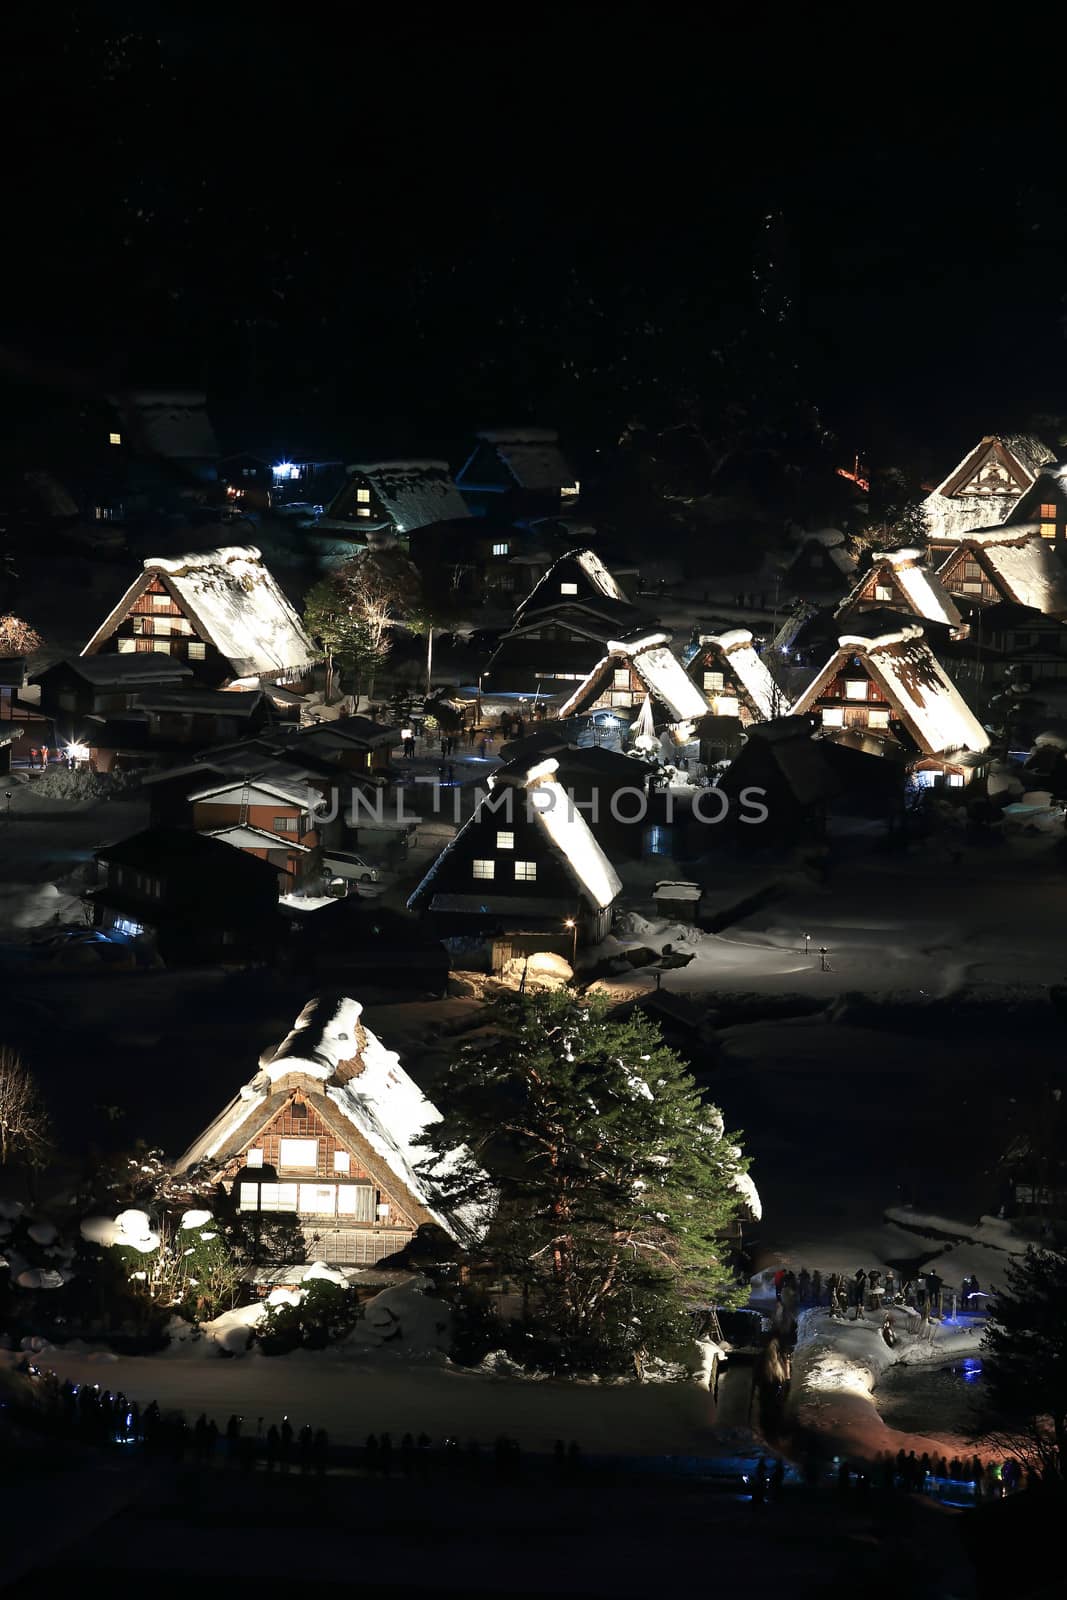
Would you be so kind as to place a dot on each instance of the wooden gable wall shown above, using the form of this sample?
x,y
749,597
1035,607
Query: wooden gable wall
x,y
287,1124
966,575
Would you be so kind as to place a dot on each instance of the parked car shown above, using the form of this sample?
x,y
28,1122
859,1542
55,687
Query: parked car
x,y
347,864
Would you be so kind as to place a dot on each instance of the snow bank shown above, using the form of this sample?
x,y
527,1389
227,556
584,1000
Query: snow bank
x,y
37,905
195,1219
406,1322
232,1332
130,1228
544,970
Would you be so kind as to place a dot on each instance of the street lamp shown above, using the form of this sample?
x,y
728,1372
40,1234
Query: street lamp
x,y
572,923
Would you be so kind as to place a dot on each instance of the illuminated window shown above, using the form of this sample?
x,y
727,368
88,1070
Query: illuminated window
x,y
363,496
568,588
1048,530
972,588
342,1161
505,841
621,678
356,1200
525,871
300,1153
881,592
856,688
114,438
501,549
570,488
619,697
971,569
161,647
483,869
713,682
727,705
253,1158
878,719
197,652
955,780
1048,513
833,717
127,647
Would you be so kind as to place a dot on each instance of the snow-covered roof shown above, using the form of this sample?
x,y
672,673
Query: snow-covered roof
x,y
349,1066
260,792
1023,561
547,591
659,670
916,685
986,485
736,646
124,671
922,588
1026,454
231,702
171,423
415,493
832,542
598,574
244,837
532,456
234,601
570,833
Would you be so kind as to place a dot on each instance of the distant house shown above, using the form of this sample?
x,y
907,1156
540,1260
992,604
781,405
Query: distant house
x,y
901,580
602,783
1031,647
635,669
800,778
822,562
74,688
733,679
168,425
1012,563
188,897
480,559
562,628
524,871
518,473
268,818
326,1128
1044,505
983,488
220,612
883,692
200,717
258,481
406,494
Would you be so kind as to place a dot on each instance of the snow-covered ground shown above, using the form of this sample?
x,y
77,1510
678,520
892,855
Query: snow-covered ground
x,y
352,1399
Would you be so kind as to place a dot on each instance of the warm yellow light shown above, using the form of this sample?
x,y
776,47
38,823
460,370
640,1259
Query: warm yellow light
x,y
114,438
569,922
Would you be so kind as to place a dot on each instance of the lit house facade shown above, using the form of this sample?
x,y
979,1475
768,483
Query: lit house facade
x,y
525,865
562,628
902,581
886,693
517,473
266,818
219,612
1009,563
326,1129
983,488
733,679
394,497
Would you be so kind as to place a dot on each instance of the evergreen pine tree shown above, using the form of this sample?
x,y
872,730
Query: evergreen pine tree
x,y
613,1180
1026,1343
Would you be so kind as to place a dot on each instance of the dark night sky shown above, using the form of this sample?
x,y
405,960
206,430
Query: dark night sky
x,y
406,226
